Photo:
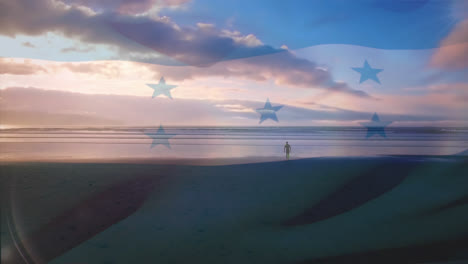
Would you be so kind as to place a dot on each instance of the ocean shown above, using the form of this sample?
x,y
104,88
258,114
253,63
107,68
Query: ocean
x,y
225,142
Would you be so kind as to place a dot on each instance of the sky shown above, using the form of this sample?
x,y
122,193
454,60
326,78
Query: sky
x,y
89,62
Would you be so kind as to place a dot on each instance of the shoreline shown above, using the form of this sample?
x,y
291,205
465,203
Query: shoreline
x,y
156,161
209,161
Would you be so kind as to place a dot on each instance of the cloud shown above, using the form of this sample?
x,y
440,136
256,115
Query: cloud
x,y
274,67
17,68
284,68
127,6
40,119
142,111
140,6
329,113
109,70
235,108
440,101
197,46
28,44
136,36
77,49
249,40
453,51
206,26
16,18
456,88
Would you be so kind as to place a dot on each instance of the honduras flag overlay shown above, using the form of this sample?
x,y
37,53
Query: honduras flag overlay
x,y
164,131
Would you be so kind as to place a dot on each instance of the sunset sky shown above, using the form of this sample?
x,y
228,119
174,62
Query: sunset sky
x,y
88,62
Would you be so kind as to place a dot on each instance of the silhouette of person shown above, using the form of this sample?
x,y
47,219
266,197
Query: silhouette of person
x,y
287,149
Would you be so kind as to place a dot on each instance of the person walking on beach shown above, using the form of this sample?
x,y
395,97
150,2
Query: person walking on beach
x,y
287,149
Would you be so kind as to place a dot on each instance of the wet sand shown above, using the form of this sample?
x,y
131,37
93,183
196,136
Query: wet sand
x,y
407,209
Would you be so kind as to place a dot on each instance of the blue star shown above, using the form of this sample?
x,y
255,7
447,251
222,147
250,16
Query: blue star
x,y
367,72
162,88
376,126
160,137
268,112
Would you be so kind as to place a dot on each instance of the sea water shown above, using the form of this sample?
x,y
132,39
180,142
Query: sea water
x,y
225,142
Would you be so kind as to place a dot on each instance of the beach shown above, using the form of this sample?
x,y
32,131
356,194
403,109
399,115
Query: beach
x,y
386,209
